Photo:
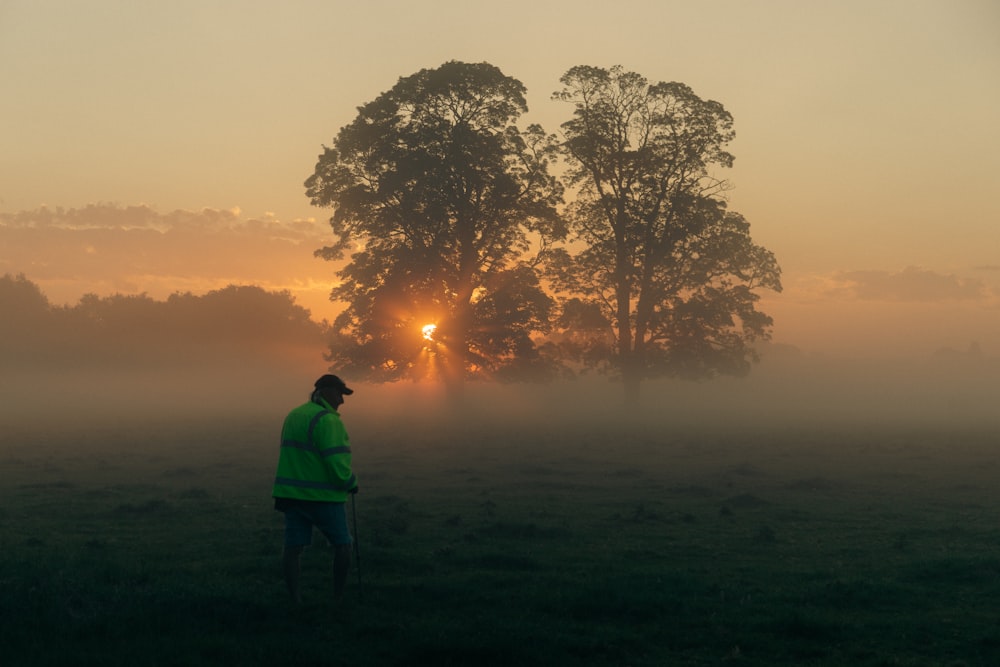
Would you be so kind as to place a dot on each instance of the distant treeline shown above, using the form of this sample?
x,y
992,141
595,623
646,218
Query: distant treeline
x,y
233,325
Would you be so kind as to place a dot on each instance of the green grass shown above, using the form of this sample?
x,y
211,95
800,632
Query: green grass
x,y
495,546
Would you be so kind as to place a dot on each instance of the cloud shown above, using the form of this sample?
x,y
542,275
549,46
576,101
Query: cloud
x,y
105,216
885,313
912,284
107,248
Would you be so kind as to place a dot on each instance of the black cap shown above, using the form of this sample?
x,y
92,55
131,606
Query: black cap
x,y
333,382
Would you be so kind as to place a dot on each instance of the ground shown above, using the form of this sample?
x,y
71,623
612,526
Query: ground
x,y
596,540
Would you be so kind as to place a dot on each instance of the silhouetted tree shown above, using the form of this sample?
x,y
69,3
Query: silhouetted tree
x,y
669,273
26,321
236,325
436,190
243,315
20,298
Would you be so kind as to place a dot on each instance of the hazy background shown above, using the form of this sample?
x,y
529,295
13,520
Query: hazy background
x,y
161,147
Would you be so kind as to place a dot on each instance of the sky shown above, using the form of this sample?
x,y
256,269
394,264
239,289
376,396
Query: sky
x,y
150,147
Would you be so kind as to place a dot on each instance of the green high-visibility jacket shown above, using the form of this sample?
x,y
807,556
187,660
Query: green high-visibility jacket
x,y
315,459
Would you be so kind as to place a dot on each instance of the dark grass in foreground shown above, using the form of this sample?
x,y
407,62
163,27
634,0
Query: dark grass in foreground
x,y
499,547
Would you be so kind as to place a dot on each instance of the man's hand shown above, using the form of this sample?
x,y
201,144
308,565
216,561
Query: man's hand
x,y
354,490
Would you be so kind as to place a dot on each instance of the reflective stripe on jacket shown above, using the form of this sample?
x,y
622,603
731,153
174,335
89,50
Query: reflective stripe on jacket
x,y
315,459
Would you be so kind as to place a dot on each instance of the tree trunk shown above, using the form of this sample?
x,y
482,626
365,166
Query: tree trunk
x,y
454,369
623,297
468,267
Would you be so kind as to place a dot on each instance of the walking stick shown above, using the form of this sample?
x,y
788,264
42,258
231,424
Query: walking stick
x,y
357,547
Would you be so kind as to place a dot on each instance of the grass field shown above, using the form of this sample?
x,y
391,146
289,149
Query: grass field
x,y
152,541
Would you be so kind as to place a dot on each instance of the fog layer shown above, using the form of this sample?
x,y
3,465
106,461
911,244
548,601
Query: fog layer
x,y
801,394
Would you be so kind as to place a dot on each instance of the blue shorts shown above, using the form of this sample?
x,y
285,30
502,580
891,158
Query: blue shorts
x,y
329,518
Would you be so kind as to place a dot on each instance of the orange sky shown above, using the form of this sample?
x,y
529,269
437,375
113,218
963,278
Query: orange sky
x,y
157,147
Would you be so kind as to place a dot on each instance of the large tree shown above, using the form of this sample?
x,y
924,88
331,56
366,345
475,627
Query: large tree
x,y
439,196
666,280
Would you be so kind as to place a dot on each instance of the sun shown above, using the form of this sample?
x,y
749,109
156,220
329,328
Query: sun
x,y
428,331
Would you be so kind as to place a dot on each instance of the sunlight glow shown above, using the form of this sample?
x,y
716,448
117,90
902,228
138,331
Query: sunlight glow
x,y
428,331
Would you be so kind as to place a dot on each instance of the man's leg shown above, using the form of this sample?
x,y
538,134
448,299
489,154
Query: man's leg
x,y
341,566
333,524
292,564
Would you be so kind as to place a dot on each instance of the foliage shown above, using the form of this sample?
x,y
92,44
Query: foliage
x,y
437,196
668,272
27,325
236,324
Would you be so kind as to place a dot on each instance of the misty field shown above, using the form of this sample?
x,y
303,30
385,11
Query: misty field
x,y
151,540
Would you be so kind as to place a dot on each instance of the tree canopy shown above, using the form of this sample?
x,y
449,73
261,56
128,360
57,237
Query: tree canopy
x,y
449,216
666,276
438,197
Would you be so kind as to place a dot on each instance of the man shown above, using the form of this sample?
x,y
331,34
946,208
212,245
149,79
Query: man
x,y
313,480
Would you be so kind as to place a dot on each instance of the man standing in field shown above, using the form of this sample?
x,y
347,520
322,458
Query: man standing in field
x,y
313,480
